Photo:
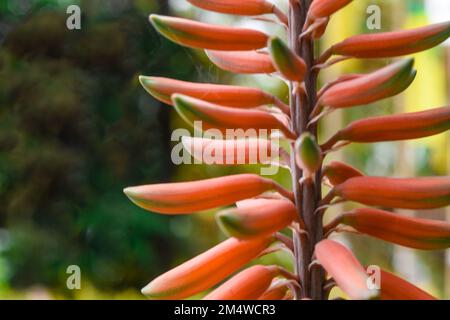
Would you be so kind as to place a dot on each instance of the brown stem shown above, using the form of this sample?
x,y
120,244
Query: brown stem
x,y
307,195
300,240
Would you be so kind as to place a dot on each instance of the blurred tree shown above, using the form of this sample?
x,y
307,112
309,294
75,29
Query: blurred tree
x,y
75,128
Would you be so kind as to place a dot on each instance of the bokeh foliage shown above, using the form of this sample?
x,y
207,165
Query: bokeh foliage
x,y
75,128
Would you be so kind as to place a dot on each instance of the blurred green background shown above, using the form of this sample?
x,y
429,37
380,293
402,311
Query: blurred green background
x,y
76,128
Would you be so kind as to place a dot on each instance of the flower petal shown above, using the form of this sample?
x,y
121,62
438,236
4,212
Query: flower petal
x,y
395,288
410,193
205,270
231,96
325,8
236,7
251,62
381,84
229,152
257,221
246,285
213,116
345,269
195,34
338,172
393,44
396,127
188,197
406,231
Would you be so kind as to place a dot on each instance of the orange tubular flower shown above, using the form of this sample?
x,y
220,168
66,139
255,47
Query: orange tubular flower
x,y
392,44
236,7
206,269
230,96
242,61
413,193
188,197
229,152
395,288
338,172
249,284
319,15
345,269
372,87
342,78
406,231
206,36
395,127
213,116
255,202
259,220
318,32
325,8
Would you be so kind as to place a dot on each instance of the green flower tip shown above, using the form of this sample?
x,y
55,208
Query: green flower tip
x,y
147,82
276,46
276,41
131,193
128,191
406,65
156,20
180,101
148,290
308,152
229,223
409,62
161,24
